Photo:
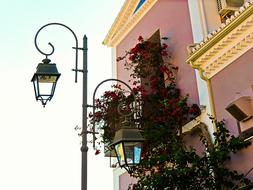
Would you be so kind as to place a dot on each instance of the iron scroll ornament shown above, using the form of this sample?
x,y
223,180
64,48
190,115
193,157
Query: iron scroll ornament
x,y
52,46
123,114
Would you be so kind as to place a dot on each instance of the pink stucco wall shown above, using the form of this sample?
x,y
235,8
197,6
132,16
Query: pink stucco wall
x,y
193,141
125,180
237,77
173,20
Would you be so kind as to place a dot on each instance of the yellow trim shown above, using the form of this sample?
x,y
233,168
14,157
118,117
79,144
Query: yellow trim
x,y
122,17
126,20
201,73
210,92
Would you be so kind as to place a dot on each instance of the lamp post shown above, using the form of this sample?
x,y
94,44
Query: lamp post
x,y
45,79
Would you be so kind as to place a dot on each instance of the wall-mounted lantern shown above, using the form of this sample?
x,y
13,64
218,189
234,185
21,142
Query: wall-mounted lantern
x,y
128,146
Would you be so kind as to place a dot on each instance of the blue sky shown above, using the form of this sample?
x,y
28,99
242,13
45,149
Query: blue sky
x,y
39,146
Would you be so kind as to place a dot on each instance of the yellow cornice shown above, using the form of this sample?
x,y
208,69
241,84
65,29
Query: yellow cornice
x,y
126,20
224,45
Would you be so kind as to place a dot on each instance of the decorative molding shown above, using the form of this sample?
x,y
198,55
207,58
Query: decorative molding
x,y
190,125
126,20
224,45
247,134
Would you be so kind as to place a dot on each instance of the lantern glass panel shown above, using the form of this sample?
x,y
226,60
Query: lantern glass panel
x,y
45,85
120,154
137,154
133,152
45,88
47,79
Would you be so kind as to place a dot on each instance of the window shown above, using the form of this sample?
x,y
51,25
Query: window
x,y
139,5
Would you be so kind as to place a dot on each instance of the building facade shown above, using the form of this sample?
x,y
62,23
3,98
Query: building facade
x,y
227,51
211,44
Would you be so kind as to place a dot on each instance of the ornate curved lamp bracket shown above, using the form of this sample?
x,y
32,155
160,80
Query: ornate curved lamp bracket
x,y
121,113
52,46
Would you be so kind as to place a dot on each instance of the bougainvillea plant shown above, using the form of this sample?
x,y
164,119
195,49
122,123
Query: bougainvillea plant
x,y
179,168
161,113
153,82
108,115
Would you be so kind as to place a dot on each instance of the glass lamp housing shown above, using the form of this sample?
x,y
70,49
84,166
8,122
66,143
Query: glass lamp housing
x,y
127,144
44,81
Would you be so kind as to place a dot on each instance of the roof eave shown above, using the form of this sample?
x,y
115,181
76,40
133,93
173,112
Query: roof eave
x,y
126,20
220,35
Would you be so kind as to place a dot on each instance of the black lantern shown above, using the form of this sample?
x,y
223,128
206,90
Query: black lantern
x,y
44,81
127,144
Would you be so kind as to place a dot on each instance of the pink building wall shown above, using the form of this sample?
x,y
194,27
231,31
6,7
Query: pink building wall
x,y
236,78
125,180
173,19
192,140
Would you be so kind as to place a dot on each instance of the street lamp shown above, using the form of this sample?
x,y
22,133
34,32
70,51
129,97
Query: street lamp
x,y
45,79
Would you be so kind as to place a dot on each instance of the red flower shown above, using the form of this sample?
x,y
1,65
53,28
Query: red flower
x,y
163,69
154,83
134,50
145,54
134,187
164,53
164,92
195,110
165,46
97,152
174,112
135,83
140,39
132,57
119,58
118,86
